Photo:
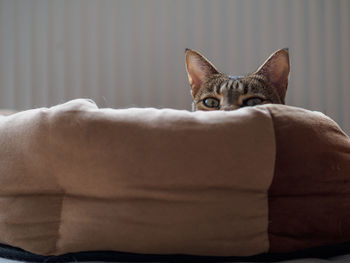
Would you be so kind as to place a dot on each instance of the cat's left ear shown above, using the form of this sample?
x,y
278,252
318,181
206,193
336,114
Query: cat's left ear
x,y
276,70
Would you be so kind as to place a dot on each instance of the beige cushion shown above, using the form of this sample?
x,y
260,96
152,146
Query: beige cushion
x,y
271,178
78,178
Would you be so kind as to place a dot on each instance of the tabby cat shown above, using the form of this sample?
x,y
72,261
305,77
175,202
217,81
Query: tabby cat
x,y
213,90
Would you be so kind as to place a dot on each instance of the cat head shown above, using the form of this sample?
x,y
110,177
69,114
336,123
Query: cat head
x,y
213,90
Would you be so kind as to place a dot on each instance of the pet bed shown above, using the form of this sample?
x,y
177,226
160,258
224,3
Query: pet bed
x,y
269,179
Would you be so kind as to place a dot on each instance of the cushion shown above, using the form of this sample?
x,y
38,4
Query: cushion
x,y
74,177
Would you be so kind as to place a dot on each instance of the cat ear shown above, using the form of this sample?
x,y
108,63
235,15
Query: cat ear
x,y
199,69
276,70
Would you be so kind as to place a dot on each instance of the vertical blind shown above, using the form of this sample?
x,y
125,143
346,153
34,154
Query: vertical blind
x,y
127,53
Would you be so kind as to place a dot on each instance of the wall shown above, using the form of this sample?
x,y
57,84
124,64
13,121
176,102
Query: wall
x,y
131,53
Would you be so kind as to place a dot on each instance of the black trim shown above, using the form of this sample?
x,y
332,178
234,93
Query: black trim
x,y
112,256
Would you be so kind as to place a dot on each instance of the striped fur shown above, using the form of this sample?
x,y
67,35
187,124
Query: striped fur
x,y
213,90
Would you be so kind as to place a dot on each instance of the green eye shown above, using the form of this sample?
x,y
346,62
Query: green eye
x,y
252,101
211,103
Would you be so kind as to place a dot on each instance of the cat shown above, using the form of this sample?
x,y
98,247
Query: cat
x,y
213,90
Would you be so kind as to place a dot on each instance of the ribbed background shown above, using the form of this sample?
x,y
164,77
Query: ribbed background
x,y
125,53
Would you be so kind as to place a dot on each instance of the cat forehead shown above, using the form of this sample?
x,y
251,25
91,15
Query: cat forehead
x,y
235,77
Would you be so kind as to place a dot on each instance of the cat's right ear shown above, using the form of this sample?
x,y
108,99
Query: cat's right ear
x,y
199,69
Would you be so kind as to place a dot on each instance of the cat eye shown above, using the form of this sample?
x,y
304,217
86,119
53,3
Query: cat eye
x,y
211,103
252,101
